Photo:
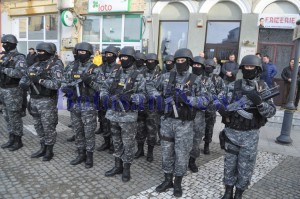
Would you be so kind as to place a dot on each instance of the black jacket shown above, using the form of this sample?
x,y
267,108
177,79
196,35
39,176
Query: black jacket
x,y
30,59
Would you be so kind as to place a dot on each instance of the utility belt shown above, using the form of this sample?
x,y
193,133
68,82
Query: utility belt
x,y
185,113
8,82
43,92
238,122
9,86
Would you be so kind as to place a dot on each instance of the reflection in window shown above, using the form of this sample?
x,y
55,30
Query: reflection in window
x,y
132,33
36,27
22,28
222,32
22,47
91,29
95,47
51,27
112,28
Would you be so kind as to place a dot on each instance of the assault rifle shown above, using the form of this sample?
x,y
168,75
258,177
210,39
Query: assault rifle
x,y
242,103
117,98
169,91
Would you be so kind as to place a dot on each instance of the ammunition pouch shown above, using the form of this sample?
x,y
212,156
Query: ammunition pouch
x,y
43,92
185,112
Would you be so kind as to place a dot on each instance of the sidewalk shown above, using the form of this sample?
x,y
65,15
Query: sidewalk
x,y
276,175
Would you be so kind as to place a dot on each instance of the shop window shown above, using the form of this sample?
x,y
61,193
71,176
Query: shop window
x,y
173,35
132,33
91,29
23,28
112,28
222,39
51,27
36,27
22,47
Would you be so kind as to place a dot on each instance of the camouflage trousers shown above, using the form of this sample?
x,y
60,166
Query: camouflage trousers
x,y
12,105
198,130
210,120
84,124
240,157
148,127
123,135
105,123
45,118
176,144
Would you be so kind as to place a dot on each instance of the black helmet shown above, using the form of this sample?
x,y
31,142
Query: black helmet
x,y
210,62
45,47
152,56
199,60
111,49
85,46
53,46
141,56
127,51
184,52
251,60
9,39
169,58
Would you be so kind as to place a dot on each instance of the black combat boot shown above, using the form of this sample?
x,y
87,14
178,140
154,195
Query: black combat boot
x,y
105,145
192,165
150,153
140,151
49,153
206,148
228,192
238,193
41,152
17,143
10,141
168,183
111,149
71,139
117,169
89,160
126,172
177,186
81,157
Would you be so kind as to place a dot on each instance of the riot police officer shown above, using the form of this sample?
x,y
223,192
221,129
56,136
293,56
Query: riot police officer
x,y
13,64
168,63
79,86
43,80
148,120
210,113
241,132
126,91
181,94
199,121
107,71
140,61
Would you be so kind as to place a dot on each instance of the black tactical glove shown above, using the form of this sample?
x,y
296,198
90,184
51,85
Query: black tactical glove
x,y
255,97
223,112
24,86
86,78
35,79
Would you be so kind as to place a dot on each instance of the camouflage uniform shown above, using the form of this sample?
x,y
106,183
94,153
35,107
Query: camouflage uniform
x,y
216,85
126,89
12,66
148,120
43,104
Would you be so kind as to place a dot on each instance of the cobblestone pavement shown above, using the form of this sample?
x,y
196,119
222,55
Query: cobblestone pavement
x,y
23,177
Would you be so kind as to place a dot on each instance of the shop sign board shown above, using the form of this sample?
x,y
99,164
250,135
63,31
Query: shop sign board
x,y
284,21
103,6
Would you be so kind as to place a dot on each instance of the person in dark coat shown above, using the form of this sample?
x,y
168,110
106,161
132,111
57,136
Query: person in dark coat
x,y
31,57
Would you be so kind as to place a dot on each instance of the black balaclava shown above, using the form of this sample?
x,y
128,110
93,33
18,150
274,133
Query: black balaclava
x,y
181,67
151,66
111,59
169,66
8,46
127,63
249,74
43,57
139,63
84,57
104,60
198,70
209,69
